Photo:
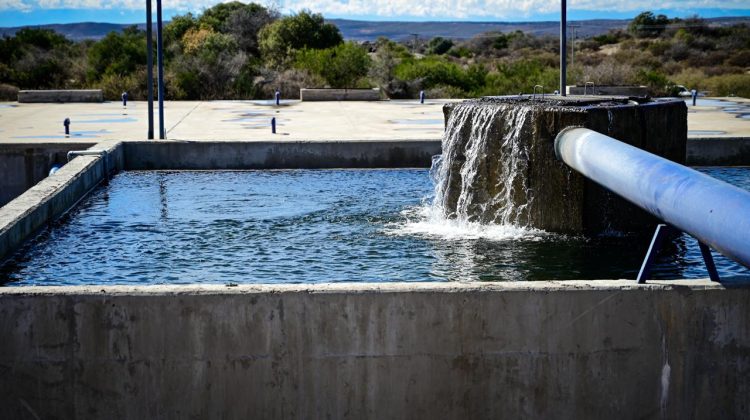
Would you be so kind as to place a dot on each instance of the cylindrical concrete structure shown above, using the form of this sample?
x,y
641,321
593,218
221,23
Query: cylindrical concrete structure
x,y
714,212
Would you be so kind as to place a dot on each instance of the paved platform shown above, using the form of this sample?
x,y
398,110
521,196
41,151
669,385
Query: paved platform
x,y
226,120
251,121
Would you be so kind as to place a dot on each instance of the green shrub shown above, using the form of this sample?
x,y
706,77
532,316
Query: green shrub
x,y
433,71
280,41
520,77
8,92
341,66
729,85
117,54
439,45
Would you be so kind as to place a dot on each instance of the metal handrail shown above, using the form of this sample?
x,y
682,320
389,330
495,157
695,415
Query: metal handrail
x,y
533,95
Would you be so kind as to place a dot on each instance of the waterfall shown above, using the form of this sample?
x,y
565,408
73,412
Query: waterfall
x,y
481,177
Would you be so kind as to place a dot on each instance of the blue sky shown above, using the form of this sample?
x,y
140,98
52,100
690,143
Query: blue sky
x,y
35,12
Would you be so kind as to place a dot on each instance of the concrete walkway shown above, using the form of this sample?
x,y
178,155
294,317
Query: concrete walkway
x,y
226,120
251,120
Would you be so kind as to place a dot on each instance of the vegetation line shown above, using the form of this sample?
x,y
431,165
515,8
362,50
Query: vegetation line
x,y
248,51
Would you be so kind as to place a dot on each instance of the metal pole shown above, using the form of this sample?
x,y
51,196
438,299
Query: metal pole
x,y
563,46
712,211
150,70
160,61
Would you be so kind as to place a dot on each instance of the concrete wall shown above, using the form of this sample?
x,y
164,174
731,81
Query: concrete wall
x,y
339,94
276,155
22,218
22,165
566,350
53,96
719,151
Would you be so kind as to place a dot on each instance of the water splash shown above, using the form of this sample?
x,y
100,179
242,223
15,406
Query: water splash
x,y
425,222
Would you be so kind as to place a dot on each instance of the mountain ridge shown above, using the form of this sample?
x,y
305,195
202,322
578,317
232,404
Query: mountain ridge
x,y
362,30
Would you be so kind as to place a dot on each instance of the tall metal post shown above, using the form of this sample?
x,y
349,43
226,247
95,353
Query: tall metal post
x,y
160,61
150,69
563,46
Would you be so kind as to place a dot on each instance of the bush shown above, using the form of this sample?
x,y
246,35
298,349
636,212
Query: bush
x,y
35,59
387,56
117,54
8,92
341,66
609,72
740,59
439,46
658,82
646,25
460,52
288,82
516,77
280,41
729,85
433,71
113,85
611,37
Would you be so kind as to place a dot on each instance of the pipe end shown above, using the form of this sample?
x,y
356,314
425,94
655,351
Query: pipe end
x,y
558,140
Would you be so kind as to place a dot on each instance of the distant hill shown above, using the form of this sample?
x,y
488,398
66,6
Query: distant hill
x,y
361,30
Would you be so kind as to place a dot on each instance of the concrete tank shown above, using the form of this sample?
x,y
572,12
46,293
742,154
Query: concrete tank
x,y
498,163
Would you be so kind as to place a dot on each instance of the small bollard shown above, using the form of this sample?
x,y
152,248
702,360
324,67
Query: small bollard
x,y
273,125
278,97
695,96
66,123
124,98
421,96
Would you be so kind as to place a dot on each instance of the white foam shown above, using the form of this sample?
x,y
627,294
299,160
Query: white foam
x,y
425,221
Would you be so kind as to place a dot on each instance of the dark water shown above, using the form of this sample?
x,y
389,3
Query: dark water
x,y
314,226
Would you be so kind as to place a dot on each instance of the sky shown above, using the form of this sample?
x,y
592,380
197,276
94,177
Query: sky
x,y
37,12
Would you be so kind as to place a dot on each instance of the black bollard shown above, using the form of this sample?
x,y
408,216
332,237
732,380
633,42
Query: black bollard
x,y
273,125
421,96
695,96
124,98
66,123
278,97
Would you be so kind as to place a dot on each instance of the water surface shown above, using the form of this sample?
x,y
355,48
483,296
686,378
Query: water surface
x,y
299,226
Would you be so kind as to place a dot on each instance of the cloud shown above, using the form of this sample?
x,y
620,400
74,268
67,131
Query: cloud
x,y
445,9
494,8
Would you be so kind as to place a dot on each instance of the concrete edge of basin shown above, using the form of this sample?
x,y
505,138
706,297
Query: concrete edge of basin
x,y
718,151
21,218
370,288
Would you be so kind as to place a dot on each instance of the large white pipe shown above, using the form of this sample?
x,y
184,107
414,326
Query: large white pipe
x,y
714,212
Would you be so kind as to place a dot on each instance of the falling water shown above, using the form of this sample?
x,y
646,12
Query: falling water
x,y
481,179
482,174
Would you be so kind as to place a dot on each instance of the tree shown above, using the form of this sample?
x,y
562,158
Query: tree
x,y
388,55
439,45
210,67
35,59
280,41
646,25
341,66
245,24
117,53
178,26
